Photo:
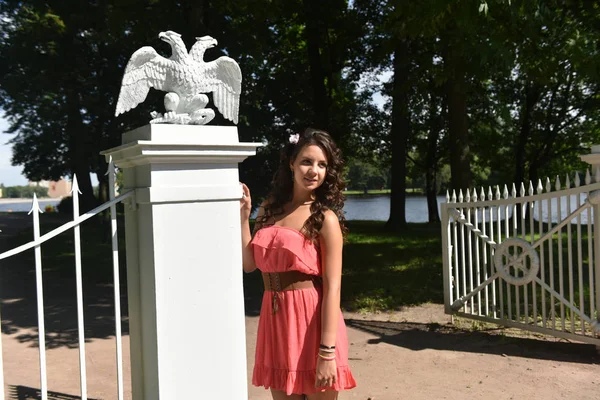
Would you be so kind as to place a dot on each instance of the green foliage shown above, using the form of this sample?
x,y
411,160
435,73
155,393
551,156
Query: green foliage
x,y
365,176
24,192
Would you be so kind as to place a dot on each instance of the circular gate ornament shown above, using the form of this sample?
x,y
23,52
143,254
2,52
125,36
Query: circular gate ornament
x,y
522,258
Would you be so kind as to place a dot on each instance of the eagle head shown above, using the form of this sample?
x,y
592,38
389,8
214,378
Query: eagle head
x,y
207,42
173,38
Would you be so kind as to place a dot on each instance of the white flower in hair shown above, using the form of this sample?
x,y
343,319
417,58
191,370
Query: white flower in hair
x,y
294,138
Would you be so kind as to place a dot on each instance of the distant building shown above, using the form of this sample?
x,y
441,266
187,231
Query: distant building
x,y
0,193
44,184
56,189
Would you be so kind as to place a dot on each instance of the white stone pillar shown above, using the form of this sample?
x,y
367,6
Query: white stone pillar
x,y
594,160
184,261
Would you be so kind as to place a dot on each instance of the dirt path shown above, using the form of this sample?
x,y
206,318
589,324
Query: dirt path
x,y
411,354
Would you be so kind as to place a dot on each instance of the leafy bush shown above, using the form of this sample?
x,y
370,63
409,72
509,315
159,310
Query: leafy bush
x,y
66,205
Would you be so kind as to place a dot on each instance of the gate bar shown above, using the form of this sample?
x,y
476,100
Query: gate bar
x,y
35,209
65,227
116,286
79,288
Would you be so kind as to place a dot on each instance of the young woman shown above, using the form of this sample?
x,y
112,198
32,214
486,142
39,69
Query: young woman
x,y
302,347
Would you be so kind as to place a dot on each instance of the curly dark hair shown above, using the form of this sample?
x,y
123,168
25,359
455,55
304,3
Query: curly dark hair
x,y
328,196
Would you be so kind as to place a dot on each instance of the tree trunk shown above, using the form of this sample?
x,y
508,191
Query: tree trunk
x,y
80,164
532,95
399,134
320,100
432,160
458,132
102,177
197,15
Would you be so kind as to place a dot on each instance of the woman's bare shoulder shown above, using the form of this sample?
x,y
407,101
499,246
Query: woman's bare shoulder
x,y
331,222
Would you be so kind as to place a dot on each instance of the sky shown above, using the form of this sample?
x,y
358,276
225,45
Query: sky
x,y
9,175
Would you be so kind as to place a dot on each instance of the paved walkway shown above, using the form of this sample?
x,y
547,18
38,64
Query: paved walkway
x,y
411,354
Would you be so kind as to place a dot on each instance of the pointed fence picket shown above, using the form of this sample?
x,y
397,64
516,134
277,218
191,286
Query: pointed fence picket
x,y
36,244
527,258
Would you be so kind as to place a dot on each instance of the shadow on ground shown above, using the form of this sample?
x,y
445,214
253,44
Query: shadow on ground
x,y
418,336
27,393
19,299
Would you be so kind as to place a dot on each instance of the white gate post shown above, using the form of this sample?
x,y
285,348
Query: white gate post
x,y
184,262
594,160
447,259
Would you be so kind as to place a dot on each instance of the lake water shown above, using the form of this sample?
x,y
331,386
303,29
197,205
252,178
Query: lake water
x,y
371,207
24,206
377,208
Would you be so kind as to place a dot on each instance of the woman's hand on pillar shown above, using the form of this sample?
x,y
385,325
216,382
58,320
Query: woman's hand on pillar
x,y
245,203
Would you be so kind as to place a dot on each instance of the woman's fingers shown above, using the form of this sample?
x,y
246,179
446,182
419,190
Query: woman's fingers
x,y
325,382
245,192
245,189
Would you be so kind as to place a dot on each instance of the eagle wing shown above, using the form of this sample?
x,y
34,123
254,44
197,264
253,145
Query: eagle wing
x,y
145,69
225,82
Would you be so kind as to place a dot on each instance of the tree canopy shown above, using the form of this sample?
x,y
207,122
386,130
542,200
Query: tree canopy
x,y
493,91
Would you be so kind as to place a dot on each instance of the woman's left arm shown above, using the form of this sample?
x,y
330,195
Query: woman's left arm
x,y
331,242
331,260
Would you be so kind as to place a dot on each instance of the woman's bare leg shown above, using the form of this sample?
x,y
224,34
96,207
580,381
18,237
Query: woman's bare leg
x,y
327,395
280,395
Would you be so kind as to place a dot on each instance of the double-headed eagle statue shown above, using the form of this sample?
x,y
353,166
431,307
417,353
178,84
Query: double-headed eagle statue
x,y
185,77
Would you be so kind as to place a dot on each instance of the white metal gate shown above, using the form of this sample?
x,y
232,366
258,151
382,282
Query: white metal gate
x,y
36,245
529,260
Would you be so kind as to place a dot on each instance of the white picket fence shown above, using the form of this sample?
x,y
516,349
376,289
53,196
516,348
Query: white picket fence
x,y
36,244
529,259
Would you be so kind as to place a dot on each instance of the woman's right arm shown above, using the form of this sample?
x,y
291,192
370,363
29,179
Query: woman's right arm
x,y
245,209
248,263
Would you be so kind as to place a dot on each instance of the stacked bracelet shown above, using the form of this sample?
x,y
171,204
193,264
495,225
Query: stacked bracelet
x,y
327,358
322,346
329,352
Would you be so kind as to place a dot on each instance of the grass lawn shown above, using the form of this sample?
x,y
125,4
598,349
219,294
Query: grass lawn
x,y
381,271
385,271
409,191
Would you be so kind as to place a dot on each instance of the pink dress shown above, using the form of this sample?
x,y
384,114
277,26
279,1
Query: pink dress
x,y
288,341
